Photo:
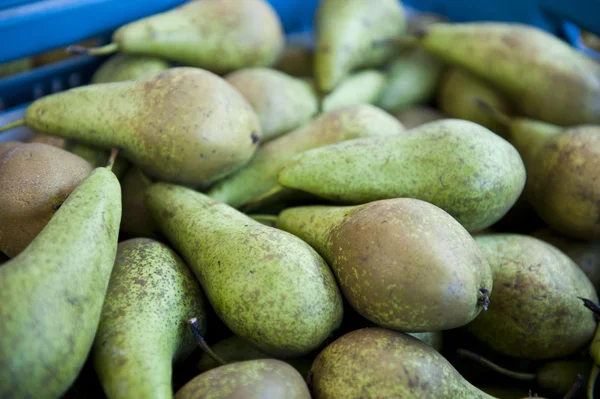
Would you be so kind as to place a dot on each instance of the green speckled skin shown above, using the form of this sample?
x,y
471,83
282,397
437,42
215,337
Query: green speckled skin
x,y
260,175
184,125
218,35
363,87
143,327
403,263
122,67
267,285
281,102
52,292
253,379
412,79
534,311
563,85
459,166
374,363
351,34
433,339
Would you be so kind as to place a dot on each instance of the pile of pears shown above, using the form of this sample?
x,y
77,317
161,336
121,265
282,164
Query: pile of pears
x,y
395,208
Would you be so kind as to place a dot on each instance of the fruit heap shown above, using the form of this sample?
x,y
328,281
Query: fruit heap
x,y
222,214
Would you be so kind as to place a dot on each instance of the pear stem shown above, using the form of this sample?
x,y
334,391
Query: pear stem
x,y
590,305
104,50
271,193
264,218
495,113
193,322
575,387
113,157
592,382
12,125
495,367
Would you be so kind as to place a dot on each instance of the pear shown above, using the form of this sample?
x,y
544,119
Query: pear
x,y
459,166
122,67
412,79
434,339
281,102
362,87
535,312
351,34
217,35
562,86
586,254
379,363
418,115
136,220
253,379
425,273
260,175
58,142
143,326
35,179
457,97
52,292
297,56
177,126
268,286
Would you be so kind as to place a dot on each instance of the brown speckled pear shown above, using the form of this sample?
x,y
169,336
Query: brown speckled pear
x,y
351,34
122,67
35,179
253,379
534,312
52,292
373,363
465,169
281,102
260,175
562,85
143,327
184,125
268,286
402,263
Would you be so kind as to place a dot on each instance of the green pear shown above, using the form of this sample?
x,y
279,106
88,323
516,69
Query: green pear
x,y
351,34
253,379
418,115
562,85
35,179
268,286
217,35
535,312
260,175
136,220
458,95
184,125
143,326
362,87
281,102
122,67
463,168
236,349
402,263
377,363
412,79
52,292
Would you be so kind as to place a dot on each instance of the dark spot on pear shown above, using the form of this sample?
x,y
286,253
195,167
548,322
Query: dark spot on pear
x,y
254,137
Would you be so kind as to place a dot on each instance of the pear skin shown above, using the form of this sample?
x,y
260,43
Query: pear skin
x,y
268,286
217,35
419,115
52,292
534,309
465,169
403,263
143,327
176,126
379,363
362,87
260,175
562,86
122,67
351,34
282,102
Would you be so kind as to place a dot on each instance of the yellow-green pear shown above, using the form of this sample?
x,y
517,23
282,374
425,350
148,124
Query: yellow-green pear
x,y
121,67
362,87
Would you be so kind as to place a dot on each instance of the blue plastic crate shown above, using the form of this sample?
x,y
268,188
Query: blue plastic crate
x,y
29,27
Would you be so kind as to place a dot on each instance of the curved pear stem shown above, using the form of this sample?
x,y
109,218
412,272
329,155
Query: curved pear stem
x,y
271,219
113,157
193,322
591,305
575,387
495,113
269,194
482,360
104,50
12,125
591,387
